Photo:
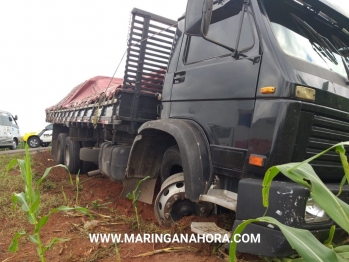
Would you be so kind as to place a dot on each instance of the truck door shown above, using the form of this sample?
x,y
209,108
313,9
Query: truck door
x,y
215,86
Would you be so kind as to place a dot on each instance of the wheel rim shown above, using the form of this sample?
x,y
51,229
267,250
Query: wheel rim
x,y
33,142
171,203
14,144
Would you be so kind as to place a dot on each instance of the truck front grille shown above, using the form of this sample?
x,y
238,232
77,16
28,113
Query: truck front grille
x,y
325,131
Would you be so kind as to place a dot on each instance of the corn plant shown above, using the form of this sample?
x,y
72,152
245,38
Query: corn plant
x,y
30,203
134,195
307,246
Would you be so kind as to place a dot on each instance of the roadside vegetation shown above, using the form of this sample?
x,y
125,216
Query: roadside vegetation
x,y
20,232
57,195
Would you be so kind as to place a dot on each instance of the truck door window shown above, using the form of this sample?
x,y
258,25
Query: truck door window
x,y
224,28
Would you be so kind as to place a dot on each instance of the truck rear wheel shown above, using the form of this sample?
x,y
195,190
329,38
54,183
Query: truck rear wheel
x,y
60,148
71,155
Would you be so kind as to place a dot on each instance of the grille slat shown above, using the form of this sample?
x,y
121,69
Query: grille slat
x,y
325,132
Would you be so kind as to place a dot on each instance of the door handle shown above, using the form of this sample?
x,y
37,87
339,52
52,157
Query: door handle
x,y
179,77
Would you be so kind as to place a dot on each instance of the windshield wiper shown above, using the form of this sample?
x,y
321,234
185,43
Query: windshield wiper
x,y
321,44
343,51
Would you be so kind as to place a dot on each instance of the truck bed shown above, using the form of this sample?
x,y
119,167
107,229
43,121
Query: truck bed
x,y
130,101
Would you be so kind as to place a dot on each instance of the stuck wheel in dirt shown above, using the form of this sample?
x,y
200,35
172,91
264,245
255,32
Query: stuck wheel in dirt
x,y
34,142
71,155
60,148
171,203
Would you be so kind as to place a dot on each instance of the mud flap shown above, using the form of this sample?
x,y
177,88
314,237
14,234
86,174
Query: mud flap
x,y
146,188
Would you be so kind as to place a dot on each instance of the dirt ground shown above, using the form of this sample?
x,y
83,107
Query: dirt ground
x,y
112,215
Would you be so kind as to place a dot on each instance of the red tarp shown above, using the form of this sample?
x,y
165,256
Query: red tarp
x,y
89,91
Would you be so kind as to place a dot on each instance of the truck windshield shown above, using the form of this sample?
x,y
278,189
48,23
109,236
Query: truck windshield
x,y
309,34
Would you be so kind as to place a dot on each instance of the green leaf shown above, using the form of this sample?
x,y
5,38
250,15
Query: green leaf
x,y
42,222
129,196
14,244
305,175
48,170
53,241
301,240
330,236
33,239
84,211
31,218
65,208
21,165
10,165
21,198
35,205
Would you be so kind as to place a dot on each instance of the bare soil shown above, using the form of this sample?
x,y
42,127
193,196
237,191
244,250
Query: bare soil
x,y
113,215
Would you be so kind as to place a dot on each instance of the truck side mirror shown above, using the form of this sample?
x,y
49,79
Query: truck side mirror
x,y
198,17
15,118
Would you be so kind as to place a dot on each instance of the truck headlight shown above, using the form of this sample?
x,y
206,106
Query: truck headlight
x,y
314,213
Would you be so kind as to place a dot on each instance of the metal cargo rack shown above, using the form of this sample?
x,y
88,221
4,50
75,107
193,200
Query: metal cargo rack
x,y
149,49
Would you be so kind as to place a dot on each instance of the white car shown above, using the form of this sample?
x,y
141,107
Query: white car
x,y
36,139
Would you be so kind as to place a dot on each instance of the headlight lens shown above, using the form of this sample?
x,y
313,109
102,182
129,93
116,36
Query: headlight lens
x,y
314,213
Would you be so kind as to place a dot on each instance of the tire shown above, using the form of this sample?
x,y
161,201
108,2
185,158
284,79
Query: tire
x,y
71,155
89,154
33,142
60,148
171,163
14,144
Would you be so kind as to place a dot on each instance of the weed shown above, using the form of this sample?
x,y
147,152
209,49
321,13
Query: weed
x,y
77,189
96,204
118,258
134,195
30,199
64,196
48,185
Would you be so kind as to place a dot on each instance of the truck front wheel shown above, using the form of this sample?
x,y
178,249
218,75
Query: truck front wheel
x,y
71,155
171,204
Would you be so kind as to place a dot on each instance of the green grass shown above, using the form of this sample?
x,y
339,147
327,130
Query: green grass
x,y
9,184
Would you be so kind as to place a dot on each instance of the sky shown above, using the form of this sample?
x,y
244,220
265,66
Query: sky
x,y
47,47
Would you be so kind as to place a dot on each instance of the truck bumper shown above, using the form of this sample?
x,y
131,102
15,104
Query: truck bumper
x,y
287,202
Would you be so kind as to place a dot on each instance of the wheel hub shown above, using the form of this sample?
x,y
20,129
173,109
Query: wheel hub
x,y
172,204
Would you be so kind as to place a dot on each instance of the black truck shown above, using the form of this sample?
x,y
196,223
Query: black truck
x,y
209,102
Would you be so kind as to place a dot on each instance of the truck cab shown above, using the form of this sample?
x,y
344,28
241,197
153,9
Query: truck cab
x,y
250,84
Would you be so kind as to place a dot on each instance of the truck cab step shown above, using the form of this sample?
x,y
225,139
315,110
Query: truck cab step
x,y
221,197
